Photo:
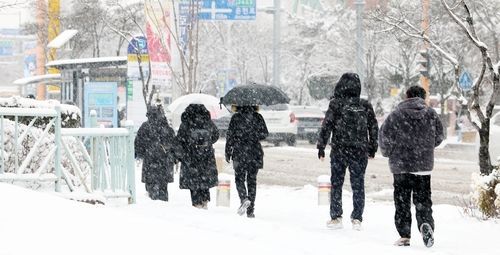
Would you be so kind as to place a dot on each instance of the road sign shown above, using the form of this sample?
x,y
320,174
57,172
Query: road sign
x,y
227,10
137,49
465,81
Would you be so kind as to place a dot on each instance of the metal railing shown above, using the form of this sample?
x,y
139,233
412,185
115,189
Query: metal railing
x,y
97,160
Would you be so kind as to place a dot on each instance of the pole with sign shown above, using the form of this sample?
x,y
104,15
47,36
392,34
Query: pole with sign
x,y
465,81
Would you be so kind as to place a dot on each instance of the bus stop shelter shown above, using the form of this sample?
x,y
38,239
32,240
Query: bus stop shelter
x,y
93,84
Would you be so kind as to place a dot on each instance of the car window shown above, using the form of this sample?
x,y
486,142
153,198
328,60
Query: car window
x,y
314,111
276,107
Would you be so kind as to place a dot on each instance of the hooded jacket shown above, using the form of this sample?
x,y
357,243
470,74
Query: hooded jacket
x,y
154,144
409,135
198,168
347,92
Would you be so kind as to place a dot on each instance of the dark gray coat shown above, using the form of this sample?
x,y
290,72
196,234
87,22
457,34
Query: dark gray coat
x,y
198,168
408,137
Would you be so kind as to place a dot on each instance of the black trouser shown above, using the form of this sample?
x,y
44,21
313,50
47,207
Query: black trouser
x,y
357,168
157,191
198,196
246,172
404,186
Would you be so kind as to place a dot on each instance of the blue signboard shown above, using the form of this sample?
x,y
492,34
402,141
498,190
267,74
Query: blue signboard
x,y
184,21
101,97
227,10
465,82
6,48
138,43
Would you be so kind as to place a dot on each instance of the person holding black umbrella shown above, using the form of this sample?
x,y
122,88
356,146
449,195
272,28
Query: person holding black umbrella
x,y
194,149
246,129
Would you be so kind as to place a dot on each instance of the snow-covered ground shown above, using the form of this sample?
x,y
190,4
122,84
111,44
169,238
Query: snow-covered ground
x,y
288,221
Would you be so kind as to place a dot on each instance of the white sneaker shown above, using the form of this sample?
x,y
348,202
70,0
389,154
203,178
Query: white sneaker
x,y
243,207
335,223
403,241
427,234
356,225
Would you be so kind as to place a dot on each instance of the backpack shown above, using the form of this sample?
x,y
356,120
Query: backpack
x,y
200,137
351,126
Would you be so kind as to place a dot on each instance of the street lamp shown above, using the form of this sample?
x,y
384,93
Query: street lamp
x,y
360,52
276,12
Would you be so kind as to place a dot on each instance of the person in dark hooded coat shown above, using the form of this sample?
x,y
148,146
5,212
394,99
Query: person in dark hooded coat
x,y
408,137
153,144
246,129
194,149
351,123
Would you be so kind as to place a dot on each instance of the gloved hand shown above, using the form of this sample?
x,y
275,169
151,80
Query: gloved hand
x,y
321,153
228,158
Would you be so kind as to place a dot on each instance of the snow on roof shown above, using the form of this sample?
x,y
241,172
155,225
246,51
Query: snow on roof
x,y
62,38
120,60
38,78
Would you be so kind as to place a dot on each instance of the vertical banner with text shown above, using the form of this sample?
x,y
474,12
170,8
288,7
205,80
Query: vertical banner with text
x,y
158,33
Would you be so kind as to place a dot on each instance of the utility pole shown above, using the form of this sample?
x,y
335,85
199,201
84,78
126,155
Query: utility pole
x,y
360,46
425,79
276,42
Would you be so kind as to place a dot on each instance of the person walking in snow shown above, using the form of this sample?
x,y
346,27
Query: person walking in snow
x,y
246,129
408,137
351,123
153,144
194,149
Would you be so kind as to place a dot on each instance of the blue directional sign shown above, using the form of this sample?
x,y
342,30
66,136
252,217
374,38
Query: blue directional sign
x,y
227,10
465,81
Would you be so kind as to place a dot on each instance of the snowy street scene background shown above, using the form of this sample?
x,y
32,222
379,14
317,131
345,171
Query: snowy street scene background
x,y
249,126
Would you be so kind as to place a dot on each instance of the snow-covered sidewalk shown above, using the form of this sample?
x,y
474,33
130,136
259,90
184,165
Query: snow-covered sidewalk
x,y
288,222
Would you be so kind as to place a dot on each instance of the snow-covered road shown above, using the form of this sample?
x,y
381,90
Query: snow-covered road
x,y
298,166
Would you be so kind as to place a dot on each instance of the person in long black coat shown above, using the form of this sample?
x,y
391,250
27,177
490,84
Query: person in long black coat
x,y
153,144
246,129
194,149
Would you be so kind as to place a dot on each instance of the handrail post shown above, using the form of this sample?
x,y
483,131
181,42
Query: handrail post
x,y
57,140
1,145
94,181
130,162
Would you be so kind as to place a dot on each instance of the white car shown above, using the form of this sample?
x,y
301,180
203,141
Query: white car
x,y
309,123
281,124
495,138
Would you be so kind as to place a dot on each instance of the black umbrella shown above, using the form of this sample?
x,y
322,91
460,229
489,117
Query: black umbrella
x,y
255,94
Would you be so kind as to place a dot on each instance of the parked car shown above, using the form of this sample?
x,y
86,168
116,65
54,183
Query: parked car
x,y
494,138
309,122
222,124
281,123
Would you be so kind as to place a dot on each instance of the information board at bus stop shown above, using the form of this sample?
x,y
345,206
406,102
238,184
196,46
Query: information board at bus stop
x,y
101,97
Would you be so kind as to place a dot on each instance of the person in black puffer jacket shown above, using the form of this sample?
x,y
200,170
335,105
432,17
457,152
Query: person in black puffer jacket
x,y
153,144
194,149
350,122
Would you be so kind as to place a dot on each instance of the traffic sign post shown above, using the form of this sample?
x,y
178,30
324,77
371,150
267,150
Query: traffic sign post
x,y
465,82
227,10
